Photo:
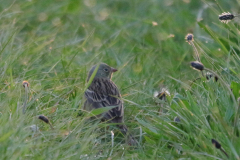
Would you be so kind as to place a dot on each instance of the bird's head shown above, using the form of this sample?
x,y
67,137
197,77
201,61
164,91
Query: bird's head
x,y
104,71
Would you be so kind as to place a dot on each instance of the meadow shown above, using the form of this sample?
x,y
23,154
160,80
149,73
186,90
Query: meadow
x,y
53,44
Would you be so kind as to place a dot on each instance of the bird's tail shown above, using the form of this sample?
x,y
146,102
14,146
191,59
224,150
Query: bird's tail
x,y
131,140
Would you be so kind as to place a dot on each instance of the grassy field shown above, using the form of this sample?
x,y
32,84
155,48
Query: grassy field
x,y
53,44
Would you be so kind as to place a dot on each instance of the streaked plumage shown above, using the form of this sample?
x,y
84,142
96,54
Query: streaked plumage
x,y
103,92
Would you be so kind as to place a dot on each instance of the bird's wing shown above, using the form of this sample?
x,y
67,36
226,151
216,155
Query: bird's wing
x,y
104,93
94,96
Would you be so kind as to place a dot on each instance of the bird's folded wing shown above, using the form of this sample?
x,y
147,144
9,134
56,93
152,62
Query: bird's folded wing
x,y
104,100
95,97
103,95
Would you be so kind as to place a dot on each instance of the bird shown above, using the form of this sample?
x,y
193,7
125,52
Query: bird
x,y
103,92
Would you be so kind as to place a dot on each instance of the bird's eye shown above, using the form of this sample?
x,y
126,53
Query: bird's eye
x,y
106,70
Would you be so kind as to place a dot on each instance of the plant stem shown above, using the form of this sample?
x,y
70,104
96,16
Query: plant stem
x,y
224,152
112,137
233,97
195,50
195,81
26,98
50,125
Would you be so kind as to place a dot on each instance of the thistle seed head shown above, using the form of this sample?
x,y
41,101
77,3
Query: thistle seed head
x,y
226,17
197,65
189,38
216,144
25,84
43,118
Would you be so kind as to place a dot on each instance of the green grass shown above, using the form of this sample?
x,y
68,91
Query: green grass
x,y
53,44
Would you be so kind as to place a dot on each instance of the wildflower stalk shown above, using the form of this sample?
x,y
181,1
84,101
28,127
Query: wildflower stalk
x,y
112,137
199,66
218,146
189,38
233,97
195,50
46,120
224,152
25,85
196,53
161,96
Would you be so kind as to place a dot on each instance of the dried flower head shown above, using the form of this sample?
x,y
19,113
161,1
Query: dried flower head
x,y
197,65
216,144
209,75
189,38
43,118
177,119
238,99
34,128
226,17
25,84
162,95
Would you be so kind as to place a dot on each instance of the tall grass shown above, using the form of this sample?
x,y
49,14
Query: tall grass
x,y
53,44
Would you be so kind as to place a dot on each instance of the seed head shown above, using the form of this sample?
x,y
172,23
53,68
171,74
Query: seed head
x,y
34,128
43,118
189,38
238,99
46,120
210,75
197,65
216,144
25,84
162,95
177,119
226,17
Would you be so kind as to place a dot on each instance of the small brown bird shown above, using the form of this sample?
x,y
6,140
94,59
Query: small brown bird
x,y
103,92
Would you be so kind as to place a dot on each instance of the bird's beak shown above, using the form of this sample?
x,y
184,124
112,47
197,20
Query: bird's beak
x,y
114,70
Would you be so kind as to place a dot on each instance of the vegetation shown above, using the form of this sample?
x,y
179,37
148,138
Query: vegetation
x,y
53,44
